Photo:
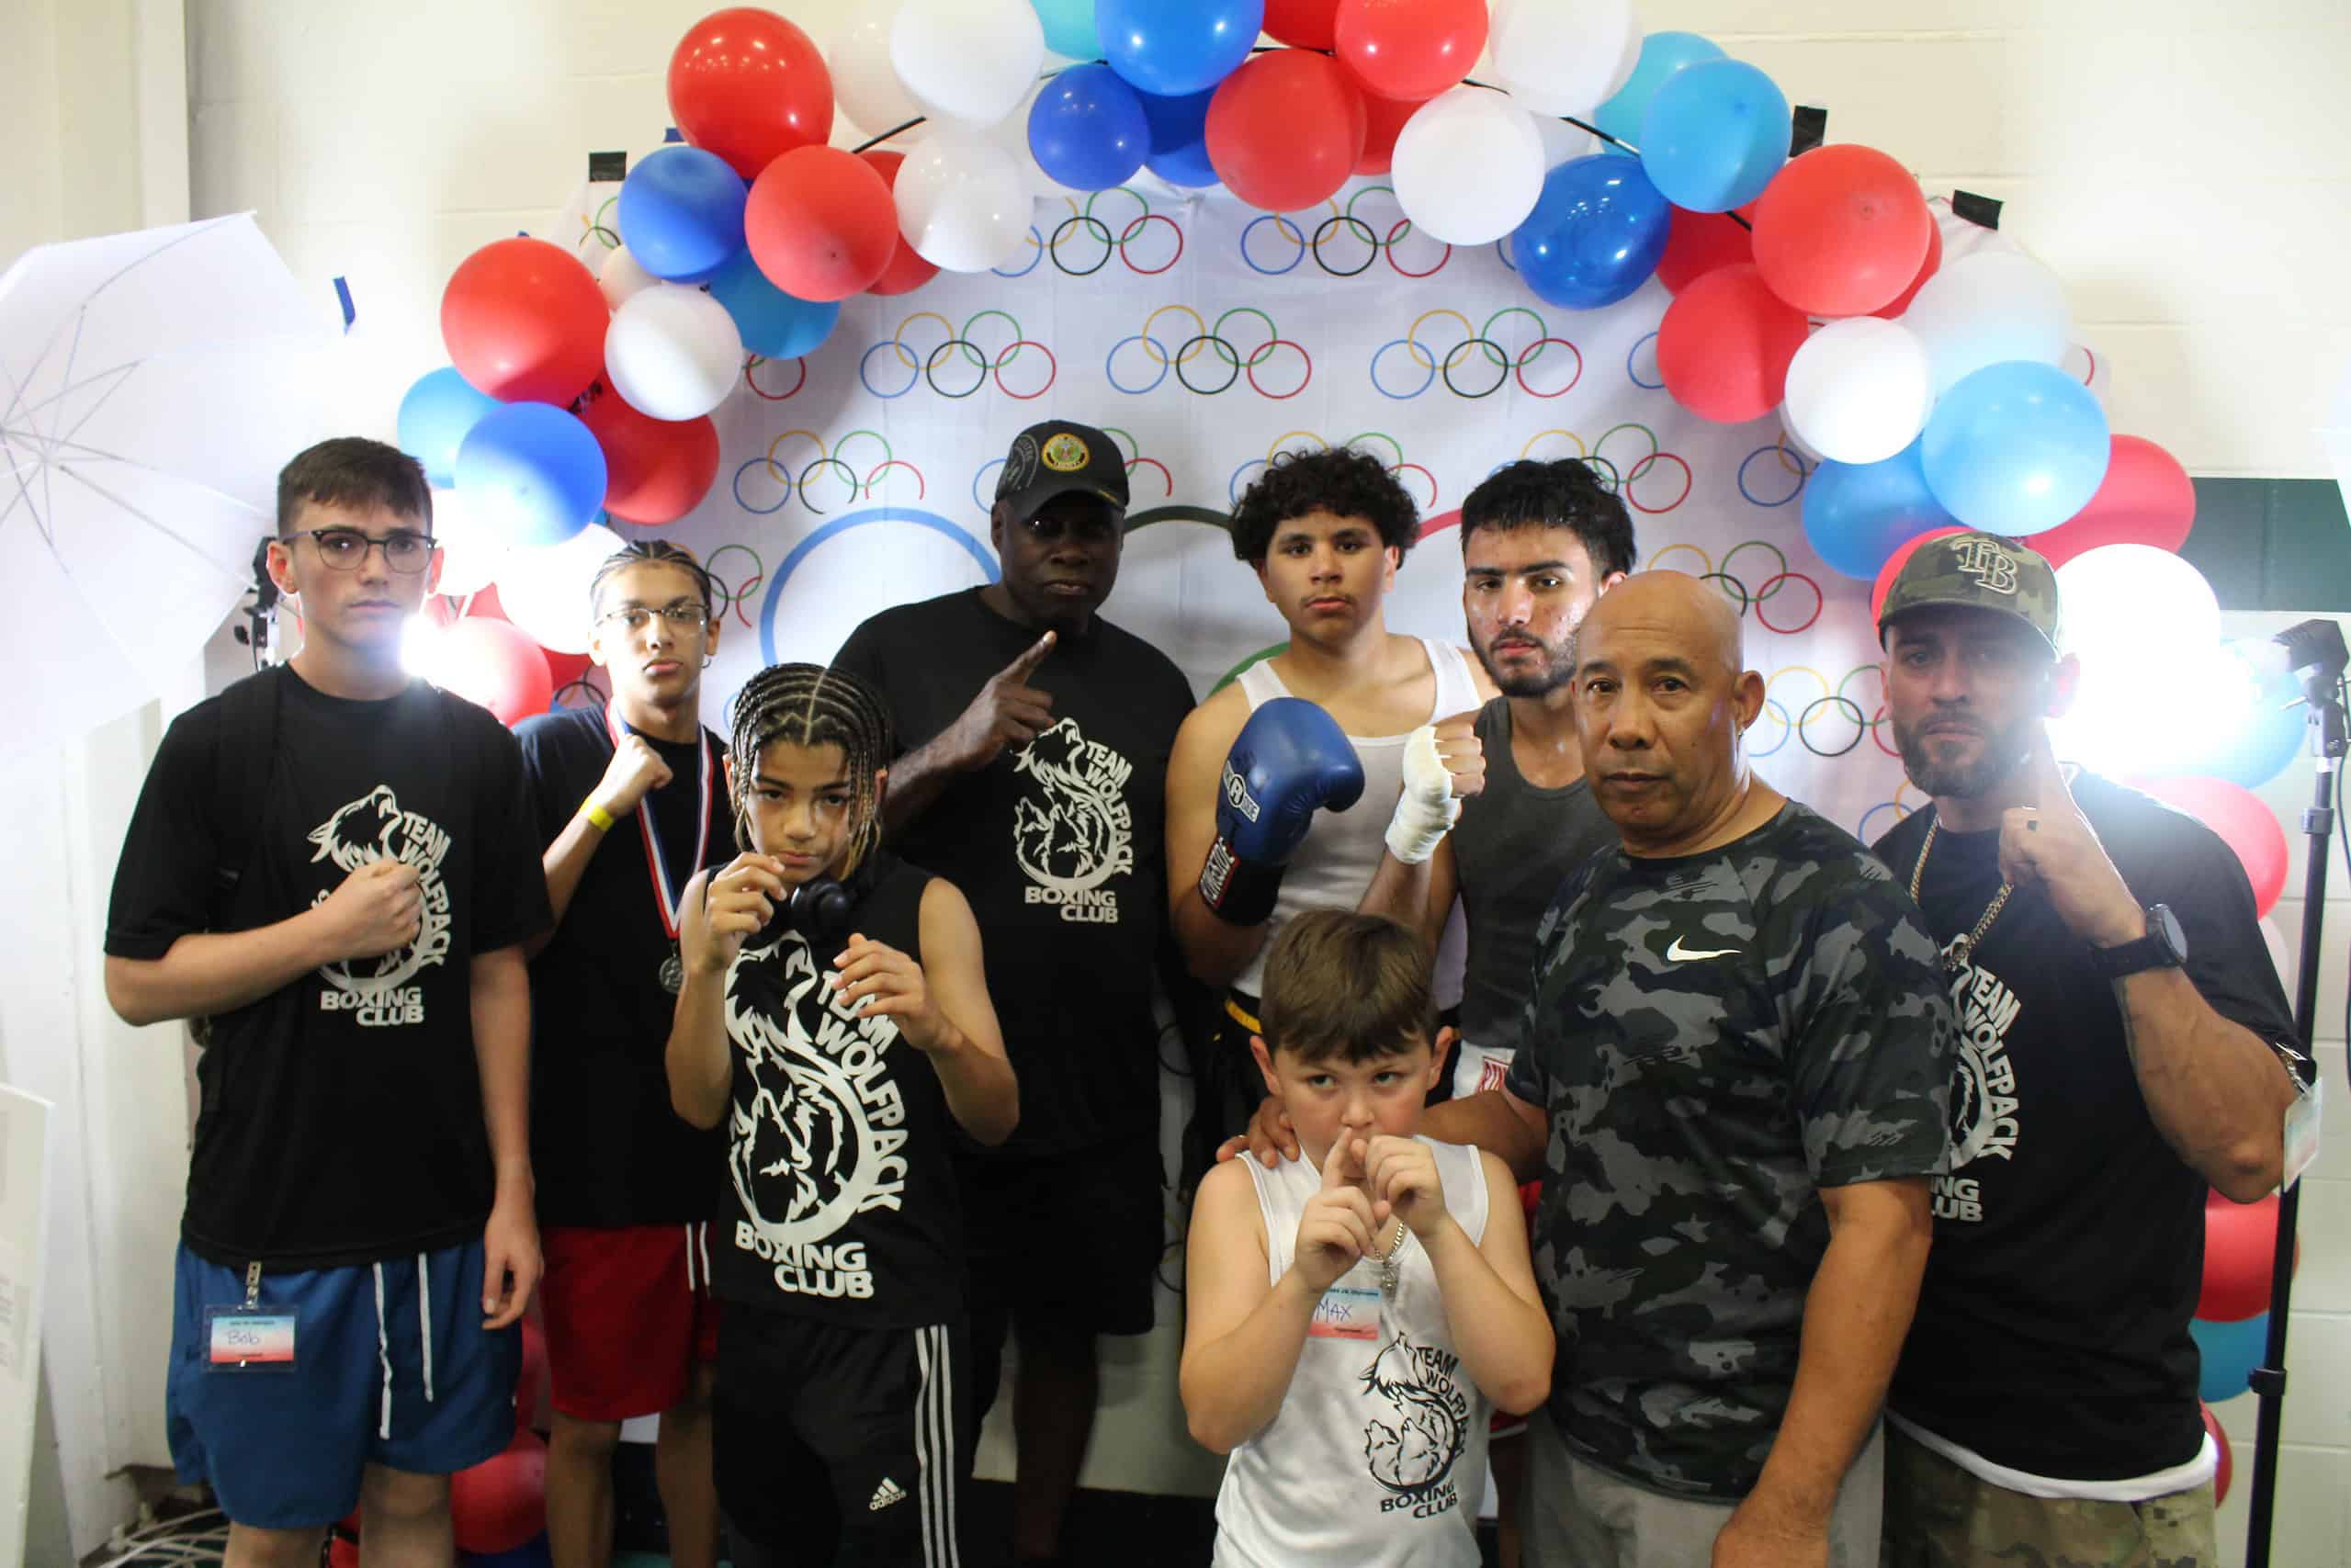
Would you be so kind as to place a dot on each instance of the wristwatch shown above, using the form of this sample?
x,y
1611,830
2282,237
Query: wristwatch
x,y
2164,947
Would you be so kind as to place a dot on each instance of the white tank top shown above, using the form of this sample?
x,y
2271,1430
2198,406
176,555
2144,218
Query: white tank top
x,y
1334,866
1378,1453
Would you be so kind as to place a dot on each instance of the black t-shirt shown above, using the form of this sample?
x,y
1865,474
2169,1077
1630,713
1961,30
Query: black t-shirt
x,y
340,1119
2052,1333
1714,1038
606,1146
1057,844
840,1197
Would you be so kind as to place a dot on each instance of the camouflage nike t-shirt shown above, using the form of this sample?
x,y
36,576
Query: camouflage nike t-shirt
x,y
1715,1038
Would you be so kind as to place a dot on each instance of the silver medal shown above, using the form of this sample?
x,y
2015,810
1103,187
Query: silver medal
x,y
673,973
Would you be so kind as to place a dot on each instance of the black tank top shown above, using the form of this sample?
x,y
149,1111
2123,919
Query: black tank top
x,y
839,1200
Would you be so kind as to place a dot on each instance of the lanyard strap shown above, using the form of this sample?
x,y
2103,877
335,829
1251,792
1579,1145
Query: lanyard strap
x,y
666,893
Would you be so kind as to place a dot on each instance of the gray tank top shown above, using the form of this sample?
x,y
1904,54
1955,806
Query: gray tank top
x,y
1334,866
1513,847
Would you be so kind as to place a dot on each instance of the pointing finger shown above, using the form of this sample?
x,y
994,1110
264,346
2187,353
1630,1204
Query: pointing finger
x,y
1021,669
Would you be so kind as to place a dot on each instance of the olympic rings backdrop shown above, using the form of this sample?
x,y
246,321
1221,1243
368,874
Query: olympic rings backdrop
x,y
1207,337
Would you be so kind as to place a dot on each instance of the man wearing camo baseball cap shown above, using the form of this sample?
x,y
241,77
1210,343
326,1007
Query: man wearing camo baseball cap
x,y
2124,1048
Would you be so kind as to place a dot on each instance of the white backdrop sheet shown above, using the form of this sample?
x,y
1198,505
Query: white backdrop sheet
x,y
1205,337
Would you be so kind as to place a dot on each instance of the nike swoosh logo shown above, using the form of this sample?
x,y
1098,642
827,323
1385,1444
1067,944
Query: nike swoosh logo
x,y
1681,954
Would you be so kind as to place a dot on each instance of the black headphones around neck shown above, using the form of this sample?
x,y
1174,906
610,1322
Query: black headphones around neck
x,y
818,909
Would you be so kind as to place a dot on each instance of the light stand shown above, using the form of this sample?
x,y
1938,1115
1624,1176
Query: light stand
x,y
2315,651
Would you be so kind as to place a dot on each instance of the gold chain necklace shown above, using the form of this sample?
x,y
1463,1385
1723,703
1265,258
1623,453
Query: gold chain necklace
x,y
1956,951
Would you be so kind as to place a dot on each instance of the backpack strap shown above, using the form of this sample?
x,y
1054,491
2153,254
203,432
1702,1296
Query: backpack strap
x,y
244,768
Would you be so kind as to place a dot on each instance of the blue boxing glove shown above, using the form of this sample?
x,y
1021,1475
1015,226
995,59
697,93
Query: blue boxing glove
x,y
1289,760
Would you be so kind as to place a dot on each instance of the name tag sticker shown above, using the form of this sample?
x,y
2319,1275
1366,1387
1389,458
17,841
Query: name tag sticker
x,y
2301,1130
1347,1312
251,1339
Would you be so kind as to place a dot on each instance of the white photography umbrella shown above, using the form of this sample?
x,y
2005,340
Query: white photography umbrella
x,y
151,384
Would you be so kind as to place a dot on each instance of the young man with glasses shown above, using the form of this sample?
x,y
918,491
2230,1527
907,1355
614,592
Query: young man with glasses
x,y
358,1240
631,802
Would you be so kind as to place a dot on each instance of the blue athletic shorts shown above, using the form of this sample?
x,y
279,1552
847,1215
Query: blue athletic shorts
x,y
391,1368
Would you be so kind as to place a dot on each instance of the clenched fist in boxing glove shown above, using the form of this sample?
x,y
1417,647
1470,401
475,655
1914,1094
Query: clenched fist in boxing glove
x,y
1290,760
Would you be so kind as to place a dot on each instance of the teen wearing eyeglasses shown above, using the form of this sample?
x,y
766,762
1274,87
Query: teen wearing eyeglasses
x,y
625,796
358,1240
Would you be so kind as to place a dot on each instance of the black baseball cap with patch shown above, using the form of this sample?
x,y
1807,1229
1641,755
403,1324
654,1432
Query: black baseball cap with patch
x,y
1060,457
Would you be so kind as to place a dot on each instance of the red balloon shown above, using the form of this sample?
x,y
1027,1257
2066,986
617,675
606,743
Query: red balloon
x,y
1305,23
2146,499
820,223
907,270
1284,130
524,321
1409,49
2244,824
1725,345
1892,568
750,86
501,1503
656,470
2240,1247
496,664
1383,123
341,1553
563,669
1926,269
2220,1441
1698,242
1841,231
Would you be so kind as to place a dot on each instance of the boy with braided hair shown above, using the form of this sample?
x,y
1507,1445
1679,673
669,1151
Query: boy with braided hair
x,y
834,1015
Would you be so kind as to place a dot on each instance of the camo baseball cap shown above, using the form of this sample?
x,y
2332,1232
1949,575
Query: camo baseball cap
x,y
1060,457
1976,571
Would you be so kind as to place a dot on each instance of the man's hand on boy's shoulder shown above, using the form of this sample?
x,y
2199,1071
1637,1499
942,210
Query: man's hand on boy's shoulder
x,y
1270,1137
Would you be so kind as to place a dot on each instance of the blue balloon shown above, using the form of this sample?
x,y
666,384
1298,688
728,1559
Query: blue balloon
x,y
1662,54
2016,447
773,324
537,471
1858,514
1180,137
1069,28
1173,46
682,213
2230,1352
1595,235
435,415
1088,130
1715,135
2248,745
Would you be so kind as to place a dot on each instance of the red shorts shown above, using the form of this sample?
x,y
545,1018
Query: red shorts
x,y
628,1315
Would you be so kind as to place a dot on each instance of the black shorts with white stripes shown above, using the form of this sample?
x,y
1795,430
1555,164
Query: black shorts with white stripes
x,y
836,1443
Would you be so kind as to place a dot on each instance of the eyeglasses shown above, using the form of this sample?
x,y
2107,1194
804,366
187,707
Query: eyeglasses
x,y
345,549
683,615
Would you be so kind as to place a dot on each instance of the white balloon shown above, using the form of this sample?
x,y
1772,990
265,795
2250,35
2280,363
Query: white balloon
x,y
545,591
968,60
1860,390
621,277
2125,603
1563,143
1988,308
1564,56
1468,166
471,554
864,87
961,203
673,352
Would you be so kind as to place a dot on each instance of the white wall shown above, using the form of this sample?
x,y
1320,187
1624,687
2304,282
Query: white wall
x,y
93,108
2181,162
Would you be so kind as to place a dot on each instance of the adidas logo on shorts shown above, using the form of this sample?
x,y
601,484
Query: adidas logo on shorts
x,y
889,1492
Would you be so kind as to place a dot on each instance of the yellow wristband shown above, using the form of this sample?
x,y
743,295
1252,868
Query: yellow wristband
x,y
598,815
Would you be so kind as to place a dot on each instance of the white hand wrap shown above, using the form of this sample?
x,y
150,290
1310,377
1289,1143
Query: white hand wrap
x,y
1428,808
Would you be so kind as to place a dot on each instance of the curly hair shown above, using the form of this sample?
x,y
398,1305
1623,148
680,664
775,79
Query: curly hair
x,y
1340,481
1562,494
808,704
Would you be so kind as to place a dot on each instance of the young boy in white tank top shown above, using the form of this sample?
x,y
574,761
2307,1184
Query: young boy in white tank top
x,y
1352,1320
